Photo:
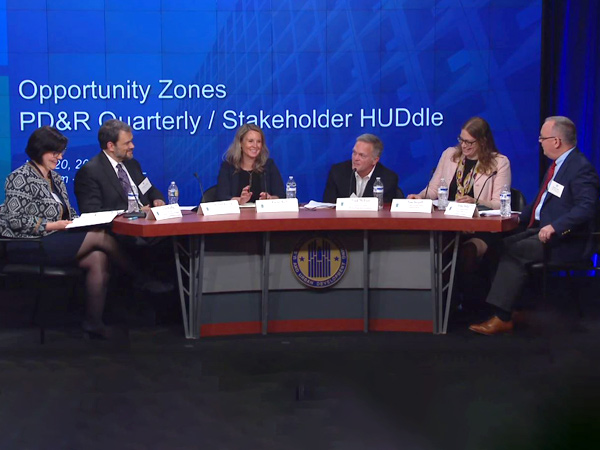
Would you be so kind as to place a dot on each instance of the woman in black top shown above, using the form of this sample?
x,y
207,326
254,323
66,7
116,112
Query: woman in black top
x,y
248,174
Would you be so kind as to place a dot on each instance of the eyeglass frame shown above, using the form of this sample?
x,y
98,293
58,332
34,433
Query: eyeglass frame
x,y
464,141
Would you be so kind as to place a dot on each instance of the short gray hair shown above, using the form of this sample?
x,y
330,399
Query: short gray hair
x,y
374,141
565,128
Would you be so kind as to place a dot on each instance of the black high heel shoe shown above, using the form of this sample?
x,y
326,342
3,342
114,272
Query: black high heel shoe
x,y
103,333
95,335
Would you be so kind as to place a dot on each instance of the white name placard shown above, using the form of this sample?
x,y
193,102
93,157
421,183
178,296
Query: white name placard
x,y
412,205
460,209
277,205
216,208
165,212
357,204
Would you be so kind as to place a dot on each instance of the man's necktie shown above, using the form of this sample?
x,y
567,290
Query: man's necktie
x,y
124,179
549,176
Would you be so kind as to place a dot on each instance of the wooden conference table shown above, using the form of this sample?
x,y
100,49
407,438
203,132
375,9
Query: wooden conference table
x,y
438,234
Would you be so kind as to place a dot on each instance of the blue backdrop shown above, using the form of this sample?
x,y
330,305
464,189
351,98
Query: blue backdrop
x,y
314,74
571,69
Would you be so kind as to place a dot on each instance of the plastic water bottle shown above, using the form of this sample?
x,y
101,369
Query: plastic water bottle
x,y
378,191
173,193
505,200
132,204
442,195
290,188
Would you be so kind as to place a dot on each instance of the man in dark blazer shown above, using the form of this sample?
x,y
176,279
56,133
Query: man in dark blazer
x,y
560,220
97,183
358,175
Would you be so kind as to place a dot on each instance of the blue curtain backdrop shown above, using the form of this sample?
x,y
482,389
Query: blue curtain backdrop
x,y
571,69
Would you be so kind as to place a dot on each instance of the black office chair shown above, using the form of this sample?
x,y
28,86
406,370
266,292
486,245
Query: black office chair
x,y
37,270
547,267
399,193
517,200
210,195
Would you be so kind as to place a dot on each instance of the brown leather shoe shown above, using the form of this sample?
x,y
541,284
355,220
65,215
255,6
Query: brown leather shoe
x,y
492,326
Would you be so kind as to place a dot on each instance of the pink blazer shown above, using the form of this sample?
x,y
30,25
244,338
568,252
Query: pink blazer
x,y
490,196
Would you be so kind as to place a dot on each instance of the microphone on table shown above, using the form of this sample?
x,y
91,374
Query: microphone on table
x,y
429,182
201,191
494,173
352,179
199,184
264,182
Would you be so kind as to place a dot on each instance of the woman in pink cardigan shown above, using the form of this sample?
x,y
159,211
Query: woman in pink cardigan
x,y
467,168
468,165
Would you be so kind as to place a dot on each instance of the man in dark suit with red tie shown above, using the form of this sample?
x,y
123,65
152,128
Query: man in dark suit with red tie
x,y
561,220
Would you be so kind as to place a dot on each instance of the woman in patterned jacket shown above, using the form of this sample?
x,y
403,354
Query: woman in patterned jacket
x,y
37,206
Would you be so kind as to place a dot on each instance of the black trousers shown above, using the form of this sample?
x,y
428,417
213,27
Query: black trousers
x,y
519,251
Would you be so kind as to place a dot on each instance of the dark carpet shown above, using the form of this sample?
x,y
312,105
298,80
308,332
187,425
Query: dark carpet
x,y
152,389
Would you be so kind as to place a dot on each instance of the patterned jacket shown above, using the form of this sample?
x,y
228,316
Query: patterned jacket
x,y
29,203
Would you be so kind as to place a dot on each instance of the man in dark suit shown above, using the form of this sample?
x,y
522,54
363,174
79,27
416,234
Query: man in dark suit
x,y
358,175
560,220
102,184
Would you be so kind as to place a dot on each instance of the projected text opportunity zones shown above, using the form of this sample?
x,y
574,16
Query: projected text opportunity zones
x,y
192,123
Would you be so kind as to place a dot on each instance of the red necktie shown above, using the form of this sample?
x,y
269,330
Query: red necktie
x,y
549,176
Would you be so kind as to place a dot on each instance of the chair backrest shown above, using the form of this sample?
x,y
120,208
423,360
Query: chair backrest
x,y
399,193
35,267
210,195
517,200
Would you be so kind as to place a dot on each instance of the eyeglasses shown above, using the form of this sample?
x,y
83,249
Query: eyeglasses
x,y
465,142
60,153
541,138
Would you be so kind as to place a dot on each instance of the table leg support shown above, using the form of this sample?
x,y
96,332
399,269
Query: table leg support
x,y
443,267
264,304
366,281
189,259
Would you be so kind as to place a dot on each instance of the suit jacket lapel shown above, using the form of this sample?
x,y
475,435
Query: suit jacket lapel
x,y
564,168
350,188
368,192
560,175
133,172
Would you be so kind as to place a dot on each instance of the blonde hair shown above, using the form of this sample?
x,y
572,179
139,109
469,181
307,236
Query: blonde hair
x,y
234,153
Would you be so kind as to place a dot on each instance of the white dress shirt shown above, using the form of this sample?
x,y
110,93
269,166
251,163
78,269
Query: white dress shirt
x,y
361,183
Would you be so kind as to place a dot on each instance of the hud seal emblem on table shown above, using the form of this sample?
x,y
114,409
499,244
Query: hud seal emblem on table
x,y
319,262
